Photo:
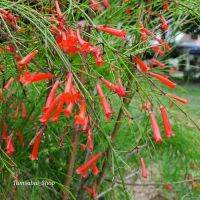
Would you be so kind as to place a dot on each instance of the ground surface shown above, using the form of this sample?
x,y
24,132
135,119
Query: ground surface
x,y
178,162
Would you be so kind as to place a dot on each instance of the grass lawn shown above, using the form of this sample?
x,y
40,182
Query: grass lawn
x,y
175,162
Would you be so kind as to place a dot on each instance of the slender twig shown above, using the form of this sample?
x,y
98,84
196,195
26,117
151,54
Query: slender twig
x,y
116,184
72,159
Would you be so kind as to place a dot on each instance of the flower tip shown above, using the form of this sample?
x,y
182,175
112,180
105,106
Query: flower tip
x,y
158,140
33,158
121,92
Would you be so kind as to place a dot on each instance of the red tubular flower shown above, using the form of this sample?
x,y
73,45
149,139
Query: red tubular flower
x,y
92,191
55,31
11,48
118,33
145,30
144,36
177,98
52,94
58,36
36,145
81,117
165,5
9,17
89,145
163,80
156,131
58,11
86,47
68,110
104,103
28,78
48,112
166,122
106,3
68,86
58,109
95,170
168,187
9,146
4,132
70,99
59,16
98,57
156,62
120,90
27,59
86,124
143,168
17,57
94,5
157,49
24,112
164,25
90,164
9,83
142,66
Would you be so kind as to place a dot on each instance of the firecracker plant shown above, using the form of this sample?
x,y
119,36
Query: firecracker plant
x,y
69,72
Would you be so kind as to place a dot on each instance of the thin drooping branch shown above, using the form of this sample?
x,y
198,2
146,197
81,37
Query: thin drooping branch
x,y
72,159
116,184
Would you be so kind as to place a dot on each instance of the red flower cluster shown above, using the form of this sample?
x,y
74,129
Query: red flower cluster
x,y
162,46
154,125
55,105
159,49
70,41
